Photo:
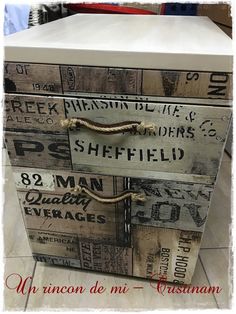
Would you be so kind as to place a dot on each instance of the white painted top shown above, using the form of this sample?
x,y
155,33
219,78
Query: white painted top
x,y
139,41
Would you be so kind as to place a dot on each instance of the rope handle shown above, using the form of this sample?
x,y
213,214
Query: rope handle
x,y
135,196
139,126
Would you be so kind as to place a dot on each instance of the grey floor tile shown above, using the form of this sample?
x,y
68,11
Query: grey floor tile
x,y
217,266
14,268
15,239
217,231
146,298
5,158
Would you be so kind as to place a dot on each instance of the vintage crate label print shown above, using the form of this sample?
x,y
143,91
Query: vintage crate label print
x,y
159,254
106,258
171,204
101,80
94,256
47,151
60,182
166,254
63,229
58,244
66,79
32,78
24,113
177,146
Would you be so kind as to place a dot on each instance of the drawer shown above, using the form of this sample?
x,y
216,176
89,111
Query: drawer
x,y
57,260
178,145
58,244
76,79
48,204
176,149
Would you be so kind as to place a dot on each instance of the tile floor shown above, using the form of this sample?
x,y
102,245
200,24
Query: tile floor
x,y
212,267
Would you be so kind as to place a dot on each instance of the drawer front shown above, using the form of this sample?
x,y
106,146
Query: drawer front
x,y
177,146
49,205
74,79
168,204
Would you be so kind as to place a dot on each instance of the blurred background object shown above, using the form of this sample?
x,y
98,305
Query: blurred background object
x,y
179,9
44,13
154,7
36,15
15,18
100,8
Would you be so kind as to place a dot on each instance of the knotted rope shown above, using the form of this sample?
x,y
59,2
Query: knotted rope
x,y
106,128
135,196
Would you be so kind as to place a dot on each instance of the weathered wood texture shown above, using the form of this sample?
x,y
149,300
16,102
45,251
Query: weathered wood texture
x,y
155,253
91,222
178,145
51,79
32,78
171,204
24,113
187,84
58,244
88,255
105,258
35,150
101,80
52,206
59,182
157,239
166,254
57,260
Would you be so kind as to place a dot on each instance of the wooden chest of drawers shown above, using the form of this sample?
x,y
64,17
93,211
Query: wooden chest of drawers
x,y
115,127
